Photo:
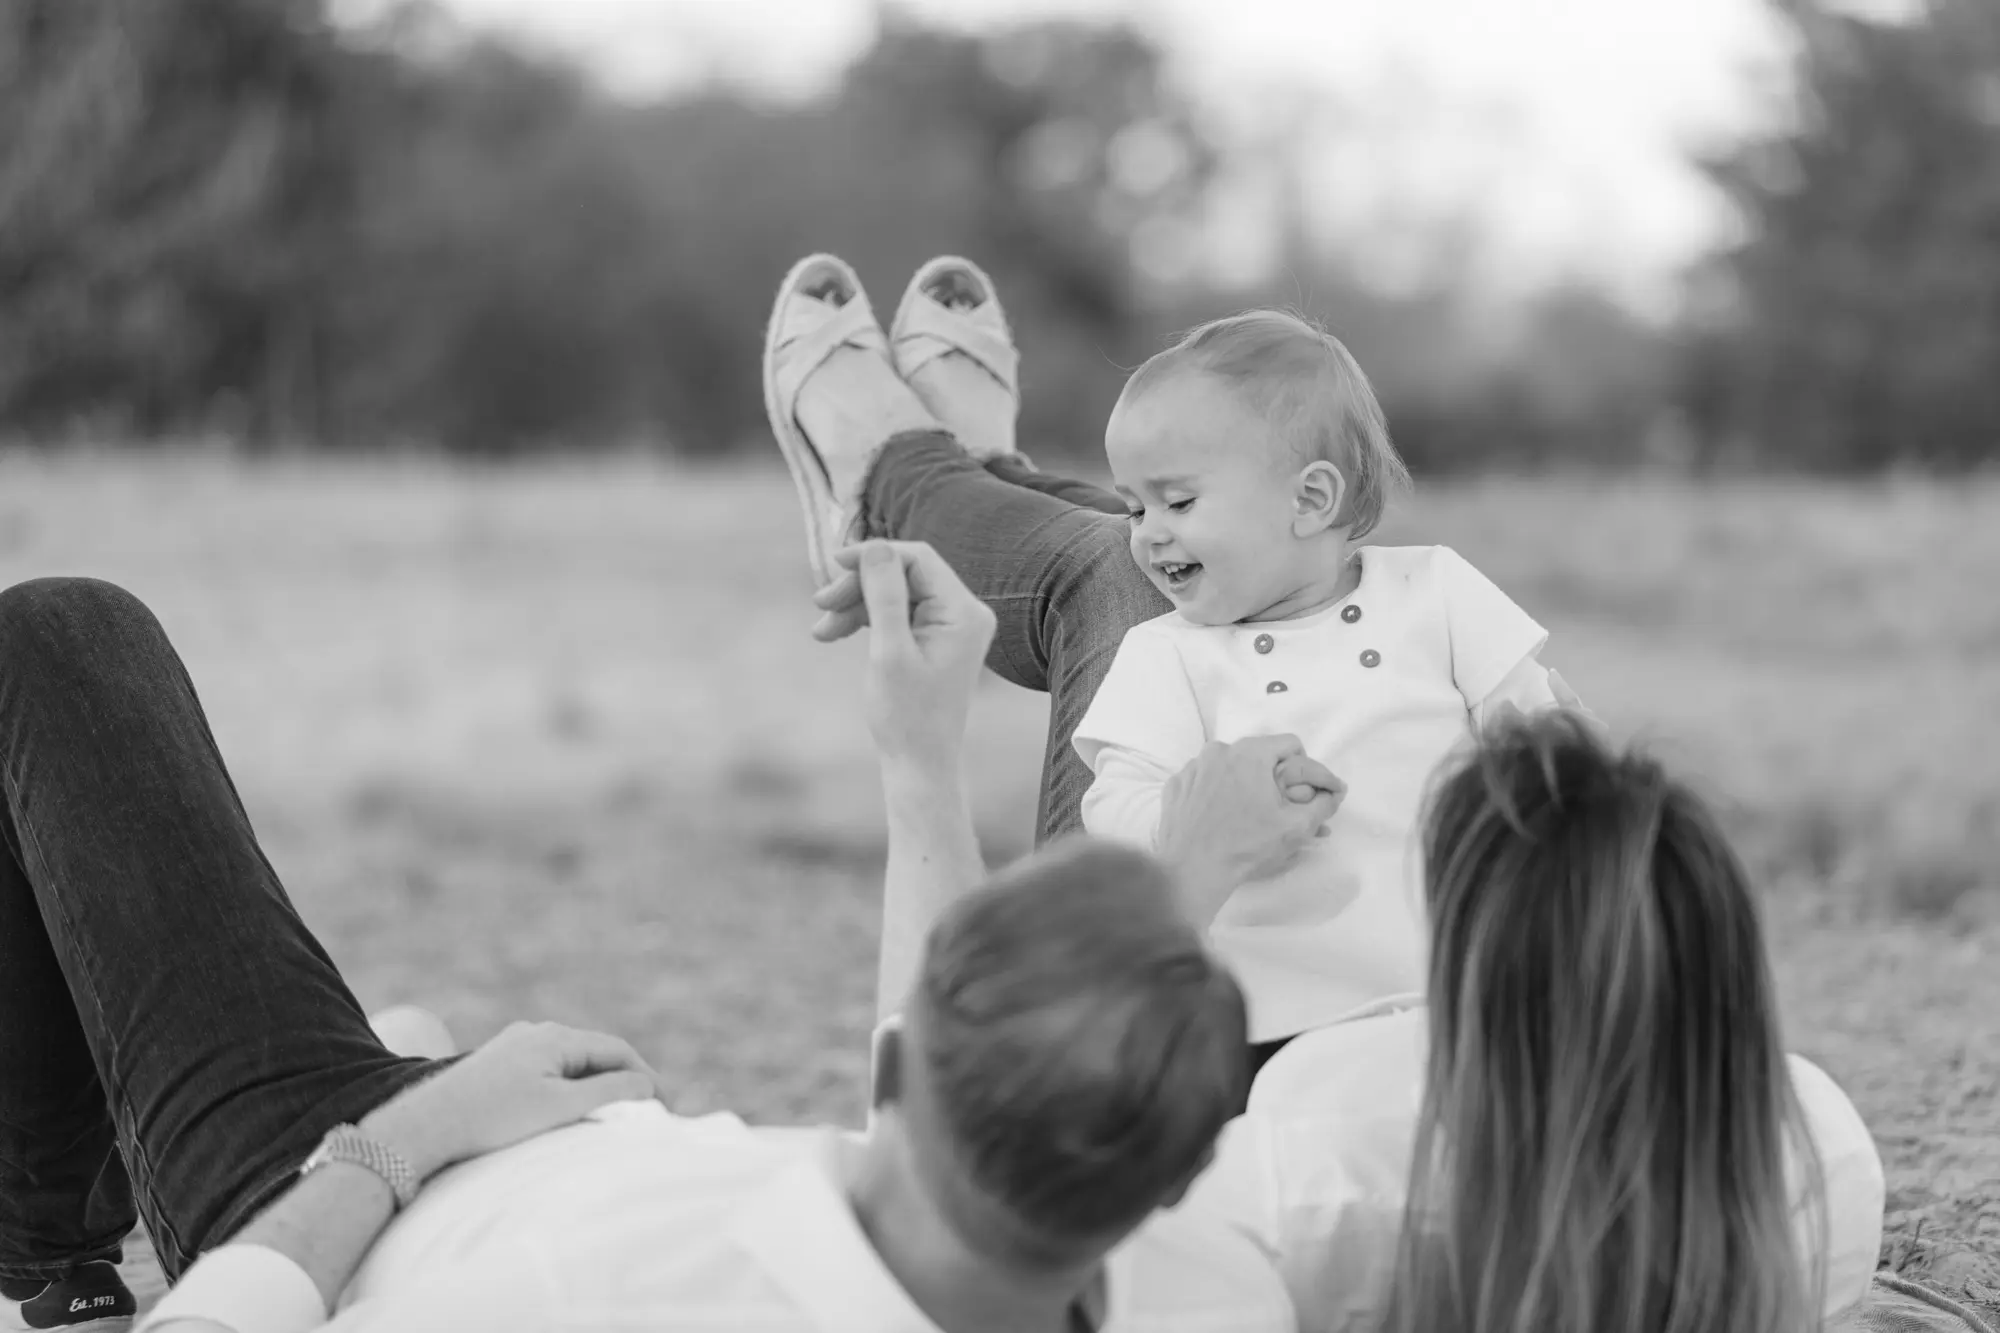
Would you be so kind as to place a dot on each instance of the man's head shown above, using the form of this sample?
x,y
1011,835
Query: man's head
x,y
1067,1058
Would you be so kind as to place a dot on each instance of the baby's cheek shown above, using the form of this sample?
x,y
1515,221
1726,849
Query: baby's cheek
x,y
1221,544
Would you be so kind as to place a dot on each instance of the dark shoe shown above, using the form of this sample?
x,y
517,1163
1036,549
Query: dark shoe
x,y
93,1298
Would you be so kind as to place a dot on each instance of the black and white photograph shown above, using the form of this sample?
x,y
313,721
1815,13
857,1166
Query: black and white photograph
x,y
1000,666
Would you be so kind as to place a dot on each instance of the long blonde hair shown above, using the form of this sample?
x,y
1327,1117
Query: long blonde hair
x,y
1603,1140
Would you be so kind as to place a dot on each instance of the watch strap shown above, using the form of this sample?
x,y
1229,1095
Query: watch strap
x,y
347,1143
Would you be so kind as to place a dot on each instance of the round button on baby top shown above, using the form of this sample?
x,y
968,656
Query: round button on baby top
x,y
1275,687
1371,658
1350,613
1264,643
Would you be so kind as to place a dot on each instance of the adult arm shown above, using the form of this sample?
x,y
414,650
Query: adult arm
x,y
934,859
287,1268
927,641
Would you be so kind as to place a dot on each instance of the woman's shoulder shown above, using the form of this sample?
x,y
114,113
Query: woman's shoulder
x,y
1830,1114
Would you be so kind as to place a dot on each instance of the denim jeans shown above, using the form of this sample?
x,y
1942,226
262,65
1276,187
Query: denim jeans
x,y
171,1034
1052,558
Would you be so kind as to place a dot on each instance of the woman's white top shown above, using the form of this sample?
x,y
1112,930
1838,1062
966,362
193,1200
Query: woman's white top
x,y
1317,1169
1381,687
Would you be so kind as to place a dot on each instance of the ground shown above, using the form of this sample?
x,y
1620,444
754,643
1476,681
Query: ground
x,y
553,742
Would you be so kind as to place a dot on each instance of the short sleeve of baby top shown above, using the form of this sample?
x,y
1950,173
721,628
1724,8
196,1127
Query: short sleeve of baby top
x,y
1490,635
1380,687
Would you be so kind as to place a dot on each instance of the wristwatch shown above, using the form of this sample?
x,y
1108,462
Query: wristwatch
x,y
345,1143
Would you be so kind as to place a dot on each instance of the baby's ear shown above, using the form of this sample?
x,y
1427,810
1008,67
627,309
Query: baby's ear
x,y
1320,497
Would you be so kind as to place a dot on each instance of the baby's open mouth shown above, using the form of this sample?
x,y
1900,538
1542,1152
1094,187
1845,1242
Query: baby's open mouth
x,y
1179,575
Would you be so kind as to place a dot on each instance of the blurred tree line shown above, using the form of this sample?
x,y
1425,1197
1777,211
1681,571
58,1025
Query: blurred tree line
x,y
234,217
1857,323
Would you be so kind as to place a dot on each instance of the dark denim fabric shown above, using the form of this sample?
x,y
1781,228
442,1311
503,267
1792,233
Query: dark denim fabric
x,y
171,1034
1052,558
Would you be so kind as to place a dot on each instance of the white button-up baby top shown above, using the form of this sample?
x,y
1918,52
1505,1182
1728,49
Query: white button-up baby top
x,y
1381,687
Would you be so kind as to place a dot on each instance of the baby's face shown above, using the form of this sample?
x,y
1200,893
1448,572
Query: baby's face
x,y
1212,499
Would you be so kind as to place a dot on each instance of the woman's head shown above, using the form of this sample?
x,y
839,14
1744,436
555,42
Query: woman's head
x,y
1608,1111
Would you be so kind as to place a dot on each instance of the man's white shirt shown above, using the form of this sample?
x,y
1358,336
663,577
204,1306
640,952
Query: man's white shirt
x,y
638,1218
1318,1168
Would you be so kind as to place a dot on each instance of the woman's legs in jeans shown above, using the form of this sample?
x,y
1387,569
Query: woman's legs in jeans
x,y
1056,569
1015,469
1045,553
166,1020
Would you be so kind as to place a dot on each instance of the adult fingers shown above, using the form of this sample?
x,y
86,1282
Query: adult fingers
x,y
929,576
849,558
582,1096
1302,770
837,625
933,580
842,607
1322,807
581,1053
1565,696
932,596
1270,748
886,587
844,591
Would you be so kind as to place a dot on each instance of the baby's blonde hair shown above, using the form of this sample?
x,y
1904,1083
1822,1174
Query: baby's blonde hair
x,y
1309,386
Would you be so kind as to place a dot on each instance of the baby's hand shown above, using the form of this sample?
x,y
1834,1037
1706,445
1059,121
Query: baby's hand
x,y
1302,780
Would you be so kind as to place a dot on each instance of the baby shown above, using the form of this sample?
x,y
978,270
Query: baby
x,y
1254,459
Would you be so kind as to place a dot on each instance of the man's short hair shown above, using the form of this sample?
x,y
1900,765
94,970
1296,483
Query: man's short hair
x,y
1083,1047
1305,382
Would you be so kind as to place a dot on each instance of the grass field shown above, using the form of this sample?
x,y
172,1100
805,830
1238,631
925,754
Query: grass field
x,y
553,743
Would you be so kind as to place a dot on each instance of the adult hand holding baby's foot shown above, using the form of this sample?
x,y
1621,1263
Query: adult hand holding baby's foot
x,y
927,639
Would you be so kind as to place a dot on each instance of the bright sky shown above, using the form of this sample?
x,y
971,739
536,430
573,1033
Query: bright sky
x,y
1561,124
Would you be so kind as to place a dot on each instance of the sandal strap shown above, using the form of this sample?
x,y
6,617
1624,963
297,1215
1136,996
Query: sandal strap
x,y
929,330
797,356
